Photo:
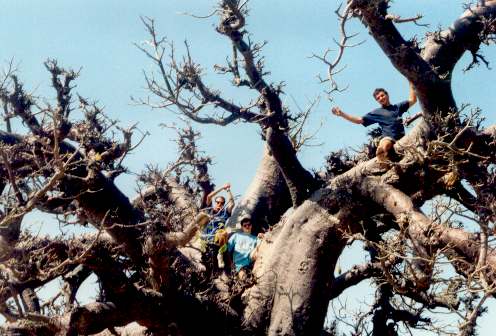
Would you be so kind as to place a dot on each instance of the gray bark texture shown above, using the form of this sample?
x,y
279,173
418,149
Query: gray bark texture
x,y
155,277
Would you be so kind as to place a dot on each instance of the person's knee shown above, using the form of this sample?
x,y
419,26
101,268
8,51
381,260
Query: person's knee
x,y
386,143
384,147
380,154
242,275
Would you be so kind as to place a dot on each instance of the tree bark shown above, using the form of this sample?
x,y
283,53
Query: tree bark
x,y
295,270
267,197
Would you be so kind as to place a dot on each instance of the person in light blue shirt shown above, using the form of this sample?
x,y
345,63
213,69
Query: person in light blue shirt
x,y
243,246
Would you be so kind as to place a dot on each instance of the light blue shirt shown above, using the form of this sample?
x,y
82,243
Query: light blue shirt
x,y
241,244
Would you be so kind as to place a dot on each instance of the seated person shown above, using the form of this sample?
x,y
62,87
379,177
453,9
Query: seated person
x,y
244,247
219,214
213,235
388,116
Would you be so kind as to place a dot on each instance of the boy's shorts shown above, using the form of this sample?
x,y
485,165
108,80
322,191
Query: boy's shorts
x,y
388,138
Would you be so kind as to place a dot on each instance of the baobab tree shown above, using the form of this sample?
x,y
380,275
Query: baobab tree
x,y
141,249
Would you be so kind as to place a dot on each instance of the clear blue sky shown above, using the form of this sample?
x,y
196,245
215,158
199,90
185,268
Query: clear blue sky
x,y
98,36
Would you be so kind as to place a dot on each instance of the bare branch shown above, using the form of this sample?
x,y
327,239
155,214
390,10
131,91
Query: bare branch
x,y
342,45
399,19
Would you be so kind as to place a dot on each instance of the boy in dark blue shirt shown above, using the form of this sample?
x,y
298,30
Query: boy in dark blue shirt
x,y
388,116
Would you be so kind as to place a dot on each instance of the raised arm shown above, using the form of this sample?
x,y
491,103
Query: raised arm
x,y
337,111
230,201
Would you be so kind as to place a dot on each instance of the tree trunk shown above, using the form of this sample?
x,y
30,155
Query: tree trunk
x,y
294,273
267,197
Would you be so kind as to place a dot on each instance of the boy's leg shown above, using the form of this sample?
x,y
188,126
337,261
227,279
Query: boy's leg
x,y
384,148
220,260
220,256
245,274
220,240
242,274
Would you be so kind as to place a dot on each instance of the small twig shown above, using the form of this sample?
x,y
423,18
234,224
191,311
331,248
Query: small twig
x,y
200,16
11,175
415,19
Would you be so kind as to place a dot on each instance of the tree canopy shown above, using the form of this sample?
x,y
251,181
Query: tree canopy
x,y
425,218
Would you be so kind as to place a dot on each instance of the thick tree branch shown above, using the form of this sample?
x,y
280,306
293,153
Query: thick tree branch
x,y
299,180
444,49
421,229
401,53
377,270
433,90
267,197
354,276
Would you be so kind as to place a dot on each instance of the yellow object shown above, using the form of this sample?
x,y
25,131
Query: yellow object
x,y
220,237
223,249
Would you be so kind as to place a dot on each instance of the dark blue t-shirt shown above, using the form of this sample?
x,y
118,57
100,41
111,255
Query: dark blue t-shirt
x,y
218,221
389,119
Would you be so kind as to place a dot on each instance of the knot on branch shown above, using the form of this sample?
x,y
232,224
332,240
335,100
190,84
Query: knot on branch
x,y
403,220
450,179
232,16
